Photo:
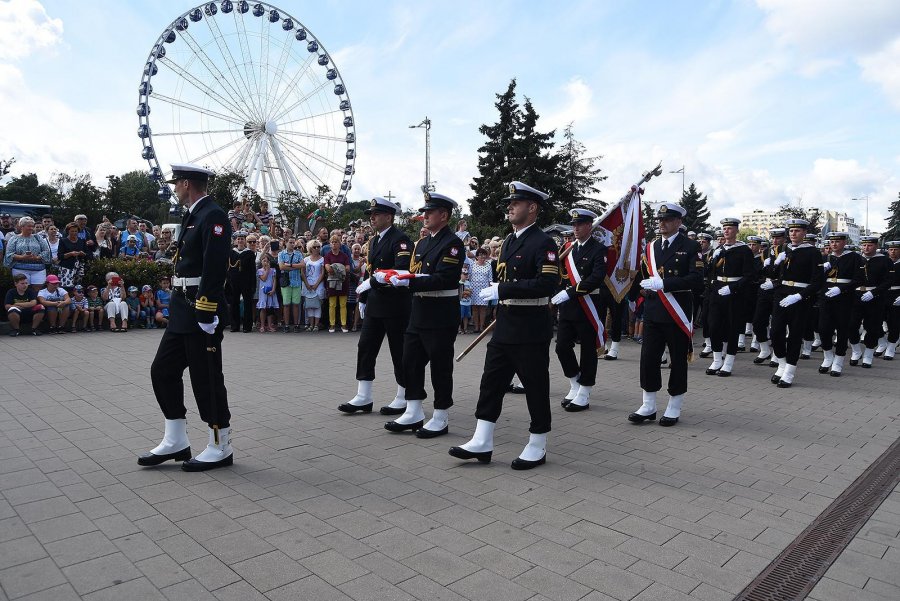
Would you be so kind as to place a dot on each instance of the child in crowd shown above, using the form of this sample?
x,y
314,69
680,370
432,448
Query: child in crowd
x,y
465,301
148,307
79,309
134,304
268,299
95,309
163,296
313,284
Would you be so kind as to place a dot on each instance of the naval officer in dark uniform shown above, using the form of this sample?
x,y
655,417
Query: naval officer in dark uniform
x,y
577,321
384,309
731,270
433,320
668,288
241,282
528,273
198,314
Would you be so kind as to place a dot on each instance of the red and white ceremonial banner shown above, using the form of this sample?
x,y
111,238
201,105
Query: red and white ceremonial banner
x,y
668,300
587,305
625,225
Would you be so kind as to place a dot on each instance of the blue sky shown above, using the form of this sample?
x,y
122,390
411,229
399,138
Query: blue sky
x,y
763,102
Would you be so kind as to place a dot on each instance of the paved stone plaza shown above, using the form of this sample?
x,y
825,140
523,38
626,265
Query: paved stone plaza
x,y
322,506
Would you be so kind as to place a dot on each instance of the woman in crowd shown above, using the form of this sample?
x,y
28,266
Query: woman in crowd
x,y
107,240
28,254
268,299
72,255
313,284
53,241
357,274
113,295
337,266
481,275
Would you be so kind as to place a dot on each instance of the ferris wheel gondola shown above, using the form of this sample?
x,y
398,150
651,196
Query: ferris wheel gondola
x,y
247,89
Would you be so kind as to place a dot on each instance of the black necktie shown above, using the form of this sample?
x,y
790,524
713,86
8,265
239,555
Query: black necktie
x,y
375,240
665,244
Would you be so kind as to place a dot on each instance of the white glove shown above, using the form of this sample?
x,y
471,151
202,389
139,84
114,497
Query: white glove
x,y
832,292
767,285
364,287
867,296
209,328
897,302
654,283
560,298
362,310
632,306
397,282
724,291
790,299
826,266
491,293
767,262
379,277
780,258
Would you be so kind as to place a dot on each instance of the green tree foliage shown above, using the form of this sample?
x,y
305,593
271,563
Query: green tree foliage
x,y
76,194
697,217
813,215
134,193
6,165
228,186
893,227
27,189
746,232
580,176
650,220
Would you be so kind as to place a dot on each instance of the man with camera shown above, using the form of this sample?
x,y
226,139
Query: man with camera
x,y
192,340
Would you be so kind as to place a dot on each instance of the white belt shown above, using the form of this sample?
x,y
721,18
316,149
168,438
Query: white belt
x,y
722,278
840,281
437,293
184,282
526,302
894,288
866,288
794,284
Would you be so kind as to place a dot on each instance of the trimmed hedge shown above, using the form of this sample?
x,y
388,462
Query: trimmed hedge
x,y
135,273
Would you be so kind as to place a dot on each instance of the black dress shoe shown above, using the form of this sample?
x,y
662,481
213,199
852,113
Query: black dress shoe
x,y
348,408
773,363
516,389
426,433
386,410
667,421
711,372
573,408
783,384
776,379
193,465
854,362
705,354
461,453
815,347
834,374
148,459
866,365
565,402
395,427
235,329
879,353
761,360
823,369
804,356
524,464
742,349
637,418
609,357
723,374
886,358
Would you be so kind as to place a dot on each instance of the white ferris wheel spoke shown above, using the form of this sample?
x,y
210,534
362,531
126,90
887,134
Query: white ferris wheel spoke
x,y
325,161
228,57
214,151
302,100
287,174
316,180
291,86
243,40
286,52
309,135
196,133
202,87
199,109
298,119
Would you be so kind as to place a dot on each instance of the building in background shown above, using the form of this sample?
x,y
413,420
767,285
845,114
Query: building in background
x,y
842,222
761,221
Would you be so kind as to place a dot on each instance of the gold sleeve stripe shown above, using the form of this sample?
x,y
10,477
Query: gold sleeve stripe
x,y
206,306
406,254
449,260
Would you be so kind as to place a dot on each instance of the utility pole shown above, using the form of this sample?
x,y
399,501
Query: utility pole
x,y
681,171
865,198
428,186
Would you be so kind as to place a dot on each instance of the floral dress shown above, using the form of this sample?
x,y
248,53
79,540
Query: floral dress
x,y
480,277
266,301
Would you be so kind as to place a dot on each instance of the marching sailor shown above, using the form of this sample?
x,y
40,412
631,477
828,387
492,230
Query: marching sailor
x,y
198,314
871,294
384,309
528,274
893,302
585,269
766,297
842,277
671,269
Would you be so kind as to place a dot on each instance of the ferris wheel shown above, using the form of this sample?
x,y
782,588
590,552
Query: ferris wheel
x,y
251,90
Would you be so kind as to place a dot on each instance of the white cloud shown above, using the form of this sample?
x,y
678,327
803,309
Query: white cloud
x,y
26,27
883,69
577,109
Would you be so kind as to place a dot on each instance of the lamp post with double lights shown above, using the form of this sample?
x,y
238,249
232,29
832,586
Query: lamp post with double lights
x,y
428,186
681,171
865,198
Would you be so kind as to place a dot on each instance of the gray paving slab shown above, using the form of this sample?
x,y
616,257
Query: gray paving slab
x,y
327,506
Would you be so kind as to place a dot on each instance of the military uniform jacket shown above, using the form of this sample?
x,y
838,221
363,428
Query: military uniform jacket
x,y
242,268
203,249
528,268
440,256
770,271
681,268
876,274
735,263
590,261
803,264
392,251
894,277
845,273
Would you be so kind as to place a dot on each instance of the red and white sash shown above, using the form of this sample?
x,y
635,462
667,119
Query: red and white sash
x,y
587,305
668,301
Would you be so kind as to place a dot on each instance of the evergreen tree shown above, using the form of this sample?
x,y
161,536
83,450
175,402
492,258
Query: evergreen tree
x,y
580,176
494,158
650,221
696,218
537,166
893,227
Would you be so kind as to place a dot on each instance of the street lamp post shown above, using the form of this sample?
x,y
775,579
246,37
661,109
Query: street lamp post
x,y
681,171
426,125
865,198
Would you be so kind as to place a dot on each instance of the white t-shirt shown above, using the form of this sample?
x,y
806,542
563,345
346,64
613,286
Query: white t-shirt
x,y
56,296
313,273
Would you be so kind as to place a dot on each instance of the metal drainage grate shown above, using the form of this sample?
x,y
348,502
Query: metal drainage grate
x,y
794,573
